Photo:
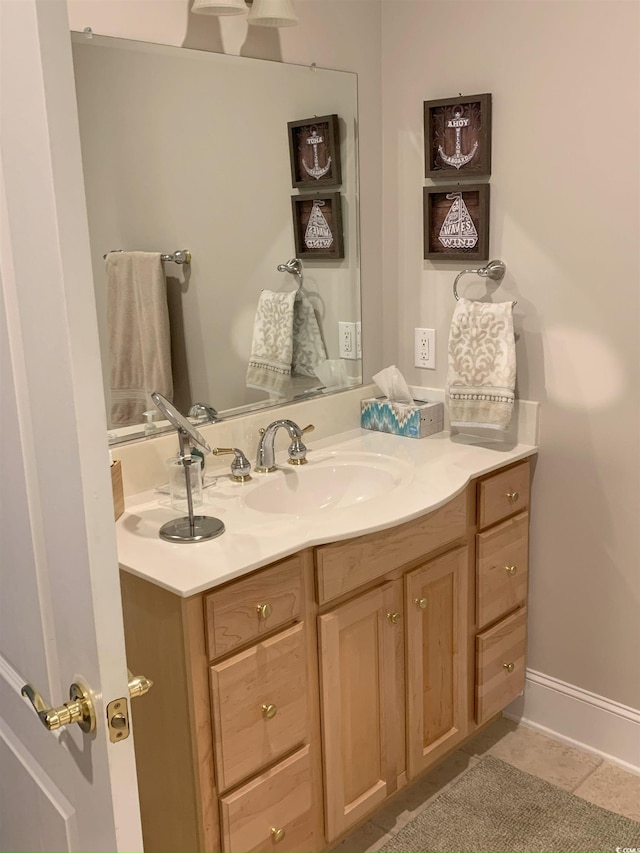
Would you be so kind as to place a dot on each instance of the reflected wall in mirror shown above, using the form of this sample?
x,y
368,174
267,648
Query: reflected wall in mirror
x,y
184,149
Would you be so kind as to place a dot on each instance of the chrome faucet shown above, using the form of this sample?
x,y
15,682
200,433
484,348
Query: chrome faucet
x,y
204,413
265,461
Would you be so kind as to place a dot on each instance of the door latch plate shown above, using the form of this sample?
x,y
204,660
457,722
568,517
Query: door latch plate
x,y
118,720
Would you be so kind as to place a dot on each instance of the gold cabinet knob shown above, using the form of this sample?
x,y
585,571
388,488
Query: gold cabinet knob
x,y
508,666
422,603
269,711
264,611
394,618
511,570
277,834
512,496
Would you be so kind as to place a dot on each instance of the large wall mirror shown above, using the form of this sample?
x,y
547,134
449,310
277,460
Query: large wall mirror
x,y
185,149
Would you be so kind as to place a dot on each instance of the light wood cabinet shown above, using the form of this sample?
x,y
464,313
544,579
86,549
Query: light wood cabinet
x,y
357,672
436,638
289,704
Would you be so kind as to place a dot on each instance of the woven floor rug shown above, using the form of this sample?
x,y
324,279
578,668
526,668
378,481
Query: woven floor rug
x,y
495,807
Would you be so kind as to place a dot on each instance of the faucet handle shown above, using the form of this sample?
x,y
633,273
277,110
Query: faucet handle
x,y
308,428
240,467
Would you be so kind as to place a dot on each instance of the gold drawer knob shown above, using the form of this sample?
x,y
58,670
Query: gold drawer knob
x,y
269,711
511,570
264,611
512,496
508,666
394,618
277,834
422,603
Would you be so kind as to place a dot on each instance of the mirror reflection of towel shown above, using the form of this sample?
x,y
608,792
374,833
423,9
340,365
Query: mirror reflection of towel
x,y
481,376
139,340
286,339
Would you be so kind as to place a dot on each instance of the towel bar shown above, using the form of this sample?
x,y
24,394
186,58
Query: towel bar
x,y
180,256
293,266
494,270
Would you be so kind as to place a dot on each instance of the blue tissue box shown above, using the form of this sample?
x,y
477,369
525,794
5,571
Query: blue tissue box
x,y
414,420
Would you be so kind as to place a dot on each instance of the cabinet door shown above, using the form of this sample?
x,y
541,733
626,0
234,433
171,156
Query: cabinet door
x,y
436,674
357,664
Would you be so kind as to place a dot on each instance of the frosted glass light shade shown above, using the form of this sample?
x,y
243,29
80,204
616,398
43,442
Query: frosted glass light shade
x,y
219,7
273,13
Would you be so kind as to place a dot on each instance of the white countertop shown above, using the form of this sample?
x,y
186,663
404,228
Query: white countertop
x,y
431,470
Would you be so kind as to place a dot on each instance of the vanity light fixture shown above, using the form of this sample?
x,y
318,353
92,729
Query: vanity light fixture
x,y
263,13
273,13
219,7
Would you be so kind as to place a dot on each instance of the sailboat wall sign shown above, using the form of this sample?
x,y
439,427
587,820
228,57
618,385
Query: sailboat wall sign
x,y
456,222
457,137
314,152
317,226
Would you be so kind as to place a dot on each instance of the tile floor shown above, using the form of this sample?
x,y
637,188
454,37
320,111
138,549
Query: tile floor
x,y
579,772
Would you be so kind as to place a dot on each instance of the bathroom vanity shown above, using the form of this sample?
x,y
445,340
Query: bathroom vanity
x,y
291,699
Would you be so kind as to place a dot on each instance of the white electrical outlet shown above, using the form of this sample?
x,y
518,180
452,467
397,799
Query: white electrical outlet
x,y
347,340
425,348
358,340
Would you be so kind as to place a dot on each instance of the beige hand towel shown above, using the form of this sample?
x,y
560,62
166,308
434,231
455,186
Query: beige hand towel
x,y
139,340
482,365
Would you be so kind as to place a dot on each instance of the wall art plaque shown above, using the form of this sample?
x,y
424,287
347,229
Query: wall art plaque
x,y
317,226
457,137
314,151
456,222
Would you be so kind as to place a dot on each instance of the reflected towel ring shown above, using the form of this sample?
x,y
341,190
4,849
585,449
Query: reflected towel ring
x,y
494,270
293,266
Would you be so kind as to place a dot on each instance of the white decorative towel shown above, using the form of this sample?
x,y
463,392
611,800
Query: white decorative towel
x,y
286,339
482,365
139,339
272,344
308,346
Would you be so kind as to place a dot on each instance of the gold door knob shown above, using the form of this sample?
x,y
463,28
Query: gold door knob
x,y
512,496
269,711
511,570
394,618
264,611
79,709
139,685
422,603
508,666
277,834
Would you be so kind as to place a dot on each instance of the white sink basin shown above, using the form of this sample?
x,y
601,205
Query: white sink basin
x,y
334,482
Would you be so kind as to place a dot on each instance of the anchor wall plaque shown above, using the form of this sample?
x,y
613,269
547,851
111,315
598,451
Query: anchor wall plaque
x,y
314,151
317,226
457,137
456,222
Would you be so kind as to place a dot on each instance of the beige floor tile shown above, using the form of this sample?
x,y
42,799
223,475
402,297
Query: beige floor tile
x,y
369,837
412,799
541,756
483,742
612,788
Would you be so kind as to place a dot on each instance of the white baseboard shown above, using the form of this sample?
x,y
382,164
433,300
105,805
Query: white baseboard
x,y
579,718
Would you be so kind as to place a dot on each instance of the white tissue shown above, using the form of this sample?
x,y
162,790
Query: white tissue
x,y
332,373
392,384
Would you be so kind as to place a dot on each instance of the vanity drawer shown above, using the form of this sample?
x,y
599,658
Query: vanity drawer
x,y
259,705
273,812
500,664
503,494
343,566
503,562
243,611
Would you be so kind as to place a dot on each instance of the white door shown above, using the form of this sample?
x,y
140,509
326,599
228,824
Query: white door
x,y
60,614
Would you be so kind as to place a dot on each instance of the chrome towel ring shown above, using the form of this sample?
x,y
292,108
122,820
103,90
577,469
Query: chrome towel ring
x,y
494,270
